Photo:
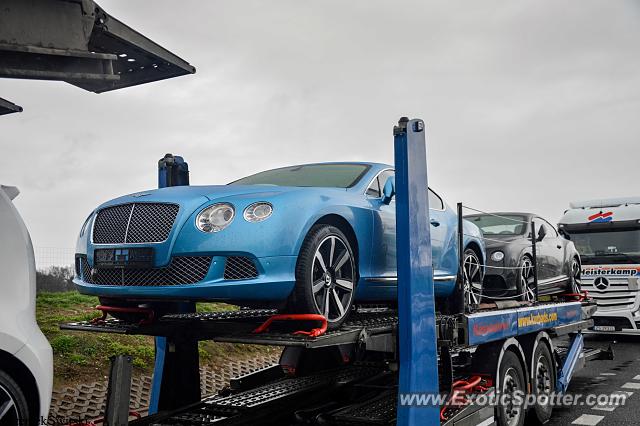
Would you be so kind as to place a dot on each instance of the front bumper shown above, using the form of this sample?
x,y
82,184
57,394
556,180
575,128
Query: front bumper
x,y
275,281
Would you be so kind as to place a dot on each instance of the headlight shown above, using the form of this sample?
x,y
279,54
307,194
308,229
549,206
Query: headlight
x,y
497,256
257,212
84,225
215,218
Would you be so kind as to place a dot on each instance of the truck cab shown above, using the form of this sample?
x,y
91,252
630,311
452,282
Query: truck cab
x,y
607,235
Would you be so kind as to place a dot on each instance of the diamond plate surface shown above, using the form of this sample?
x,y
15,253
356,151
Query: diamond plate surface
x,y
87,401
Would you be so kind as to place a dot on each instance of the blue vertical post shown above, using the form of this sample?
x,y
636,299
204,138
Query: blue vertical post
x,y
418,372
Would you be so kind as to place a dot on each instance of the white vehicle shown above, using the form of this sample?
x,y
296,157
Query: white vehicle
x,y
26,359
607,236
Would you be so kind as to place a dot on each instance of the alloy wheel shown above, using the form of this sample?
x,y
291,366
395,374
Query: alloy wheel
x,y
333,276
526,280
472,275
9,414
576,273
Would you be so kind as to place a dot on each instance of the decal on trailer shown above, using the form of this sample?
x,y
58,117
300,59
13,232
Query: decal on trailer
x,y
499,325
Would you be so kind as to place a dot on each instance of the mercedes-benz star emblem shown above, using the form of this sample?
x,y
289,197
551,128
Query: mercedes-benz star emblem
x,y
601,283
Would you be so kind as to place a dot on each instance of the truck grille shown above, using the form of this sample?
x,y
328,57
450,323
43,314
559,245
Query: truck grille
x,y
616,297
134,223
239,268
182,270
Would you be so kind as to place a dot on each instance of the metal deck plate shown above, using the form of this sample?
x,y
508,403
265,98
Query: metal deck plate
x,y
238,326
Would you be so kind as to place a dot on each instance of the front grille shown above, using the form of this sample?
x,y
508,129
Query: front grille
x,y
182,270
239,268
618,296
134,223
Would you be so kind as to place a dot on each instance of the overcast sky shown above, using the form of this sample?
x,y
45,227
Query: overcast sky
x,y
528,104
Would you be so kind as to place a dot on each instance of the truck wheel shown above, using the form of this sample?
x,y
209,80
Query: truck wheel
x,y
510,410
543,379
13,404
326,275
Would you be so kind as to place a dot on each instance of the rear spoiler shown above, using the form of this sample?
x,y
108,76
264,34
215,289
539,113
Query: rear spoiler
x,y
11,191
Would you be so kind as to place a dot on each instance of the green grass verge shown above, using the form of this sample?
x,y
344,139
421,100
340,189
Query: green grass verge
x,y
81,357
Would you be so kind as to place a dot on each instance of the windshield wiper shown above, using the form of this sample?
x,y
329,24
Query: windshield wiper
x,y
624,255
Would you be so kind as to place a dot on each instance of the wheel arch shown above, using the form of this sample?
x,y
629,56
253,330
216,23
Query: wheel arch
x,y
489,356
23,377
473,245
343,225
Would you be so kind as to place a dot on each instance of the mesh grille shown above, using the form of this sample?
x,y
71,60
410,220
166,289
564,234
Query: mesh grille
x,y
182,270
239,268
110,226
134,223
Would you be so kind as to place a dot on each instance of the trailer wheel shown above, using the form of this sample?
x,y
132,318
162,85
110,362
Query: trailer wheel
x,y
543,379
510,410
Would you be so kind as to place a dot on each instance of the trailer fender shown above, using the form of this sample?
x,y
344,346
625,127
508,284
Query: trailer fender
x,y
529,345
488,357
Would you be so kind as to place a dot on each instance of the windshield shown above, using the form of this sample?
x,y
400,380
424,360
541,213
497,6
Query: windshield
x,y
619,246
315,175
499,225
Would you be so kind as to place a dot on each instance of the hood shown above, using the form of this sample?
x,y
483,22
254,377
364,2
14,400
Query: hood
x,y
501,241
202,194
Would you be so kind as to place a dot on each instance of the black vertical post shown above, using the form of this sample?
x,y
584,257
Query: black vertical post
x,y
463,301
118,392
534,237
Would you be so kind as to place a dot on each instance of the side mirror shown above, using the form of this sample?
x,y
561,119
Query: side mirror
x,y
541,233
389,190
564,234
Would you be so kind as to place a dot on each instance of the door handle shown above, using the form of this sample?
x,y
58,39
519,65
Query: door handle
x,y
435,222
559,246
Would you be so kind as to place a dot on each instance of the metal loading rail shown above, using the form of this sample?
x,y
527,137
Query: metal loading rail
x,y
357,392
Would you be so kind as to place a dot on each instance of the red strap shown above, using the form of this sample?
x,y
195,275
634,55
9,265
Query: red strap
x,y
128,310
296,317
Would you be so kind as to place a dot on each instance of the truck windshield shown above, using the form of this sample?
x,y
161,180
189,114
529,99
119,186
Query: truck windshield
x,y
614,246
314,175
499,225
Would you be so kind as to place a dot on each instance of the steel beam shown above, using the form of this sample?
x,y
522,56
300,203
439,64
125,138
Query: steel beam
x,y
7,107
78,42
418,372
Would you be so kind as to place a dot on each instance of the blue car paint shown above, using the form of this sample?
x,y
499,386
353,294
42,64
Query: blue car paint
x,y
275,243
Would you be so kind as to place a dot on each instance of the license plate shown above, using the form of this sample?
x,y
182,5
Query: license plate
x,y
140,257
604,328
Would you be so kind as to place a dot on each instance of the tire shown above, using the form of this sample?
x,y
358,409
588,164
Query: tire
x,y
472,277
543,380
14,409
326,276
511,410
525,282
575,281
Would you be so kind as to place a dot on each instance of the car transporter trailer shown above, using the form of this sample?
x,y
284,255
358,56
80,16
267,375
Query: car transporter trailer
x,y
383,366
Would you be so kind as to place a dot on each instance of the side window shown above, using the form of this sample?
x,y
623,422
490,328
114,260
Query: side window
x,y
374,189
377,186
435,202
551,231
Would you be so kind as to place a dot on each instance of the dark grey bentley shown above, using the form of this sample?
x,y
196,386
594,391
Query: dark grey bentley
x,y
509,271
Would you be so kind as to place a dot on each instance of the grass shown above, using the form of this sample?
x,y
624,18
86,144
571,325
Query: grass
x,y
81,357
